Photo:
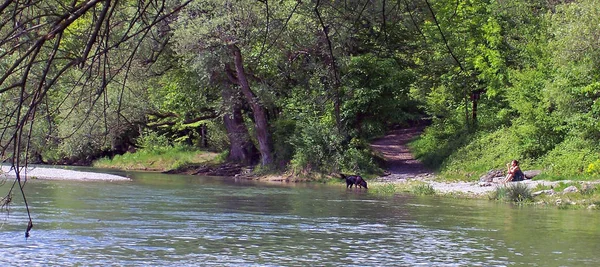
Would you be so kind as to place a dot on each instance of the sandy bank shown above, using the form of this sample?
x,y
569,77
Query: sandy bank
x,y
44,173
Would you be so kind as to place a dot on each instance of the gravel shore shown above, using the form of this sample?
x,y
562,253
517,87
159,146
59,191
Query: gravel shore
x,y
44,173
474,188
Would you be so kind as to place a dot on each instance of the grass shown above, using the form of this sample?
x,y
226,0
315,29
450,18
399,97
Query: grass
x,y
390,189
423,189
457,154
515,192
385,189
157,159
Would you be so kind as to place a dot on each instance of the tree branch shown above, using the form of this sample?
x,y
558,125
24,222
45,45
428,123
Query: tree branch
x,y
444,37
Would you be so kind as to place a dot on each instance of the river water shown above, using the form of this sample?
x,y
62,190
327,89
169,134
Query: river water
x,y
171,220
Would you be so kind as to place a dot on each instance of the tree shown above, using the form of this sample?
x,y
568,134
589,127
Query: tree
x,y
235,38
87,45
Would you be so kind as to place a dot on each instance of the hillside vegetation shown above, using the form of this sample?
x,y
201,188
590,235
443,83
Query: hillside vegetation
x,y
304,86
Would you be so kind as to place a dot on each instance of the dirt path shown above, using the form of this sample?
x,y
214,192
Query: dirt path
x,y
403,167
400,163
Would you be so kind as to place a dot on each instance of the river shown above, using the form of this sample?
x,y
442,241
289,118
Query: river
x,y
174,220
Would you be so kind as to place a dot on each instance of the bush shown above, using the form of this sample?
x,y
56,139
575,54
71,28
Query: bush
x,y
282,130
152,141
515,192
358,161
593,168
574,157
317,147
499,193
439,141
519,192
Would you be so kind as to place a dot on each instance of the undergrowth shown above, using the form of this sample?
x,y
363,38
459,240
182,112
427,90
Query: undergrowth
x,y
470,155
423,189
415,188
158,159
514,192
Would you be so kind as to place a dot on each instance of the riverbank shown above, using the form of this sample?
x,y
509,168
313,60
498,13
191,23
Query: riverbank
x,y
45,173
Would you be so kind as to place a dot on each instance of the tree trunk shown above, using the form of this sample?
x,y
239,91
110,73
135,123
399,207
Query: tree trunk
x,y
260,119
203,137
241,148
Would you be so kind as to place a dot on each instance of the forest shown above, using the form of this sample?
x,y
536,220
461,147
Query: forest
x,y
304,86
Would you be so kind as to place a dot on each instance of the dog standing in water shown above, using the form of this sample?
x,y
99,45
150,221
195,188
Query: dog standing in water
x,y
354,180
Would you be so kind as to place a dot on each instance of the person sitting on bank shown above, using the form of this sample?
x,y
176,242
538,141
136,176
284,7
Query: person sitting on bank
x,y
514,172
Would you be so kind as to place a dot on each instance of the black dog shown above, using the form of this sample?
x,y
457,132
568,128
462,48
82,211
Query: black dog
x,y
354,180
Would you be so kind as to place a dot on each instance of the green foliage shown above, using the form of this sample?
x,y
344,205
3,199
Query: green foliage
x,y
317,147
153,142
439,141
533,65
571,158
593,168
546,114
499,193
377,92
282,130
217,136
422,189
358,159
78,130
157,152
386,189
390,189
486,151
518,192
514,192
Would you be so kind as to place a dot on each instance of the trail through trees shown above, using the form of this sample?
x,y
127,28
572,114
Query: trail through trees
x,y
399,160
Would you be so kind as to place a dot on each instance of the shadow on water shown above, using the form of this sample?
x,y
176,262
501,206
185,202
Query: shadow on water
x,y
159,220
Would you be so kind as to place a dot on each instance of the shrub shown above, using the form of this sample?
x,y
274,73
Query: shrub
x,y
152,141
439,141
317,147
593,168
519,192
358,160
499,193
282,130
573,157
515,192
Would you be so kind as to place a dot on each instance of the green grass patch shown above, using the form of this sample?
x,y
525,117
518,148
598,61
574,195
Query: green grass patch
x,y
385,189
422,189
162,159
390,189
514,192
